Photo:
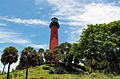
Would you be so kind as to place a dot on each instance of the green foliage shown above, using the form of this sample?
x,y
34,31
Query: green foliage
x,y
57,70
39,73
30,57
46,67
101,42
63,52
76,52
9,56
41,50
48,56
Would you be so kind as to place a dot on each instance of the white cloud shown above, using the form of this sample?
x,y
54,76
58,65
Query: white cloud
x,y
44,46
80,13
11,37
3,24
20,41
24,21
72,23
76,12
100,13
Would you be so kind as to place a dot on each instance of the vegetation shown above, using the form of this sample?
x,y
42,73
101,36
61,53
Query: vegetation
x,y
10,55
100,44
97,50
38,73
3,59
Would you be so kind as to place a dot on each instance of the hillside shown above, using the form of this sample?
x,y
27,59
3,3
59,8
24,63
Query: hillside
x,y
38,73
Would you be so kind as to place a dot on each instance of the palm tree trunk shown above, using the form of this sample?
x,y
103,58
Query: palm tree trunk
x,y
3,69
8,71
26,73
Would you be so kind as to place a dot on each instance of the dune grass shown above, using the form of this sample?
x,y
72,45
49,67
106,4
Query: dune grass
x,y
38,73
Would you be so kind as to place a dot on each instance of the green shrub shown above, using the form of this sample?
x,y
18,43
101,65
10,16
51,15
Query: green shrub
x,y
46,67
87,68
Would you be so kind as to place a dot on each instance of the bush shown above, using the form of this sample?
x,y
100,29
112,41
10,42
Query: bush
x,y
46,67
51,70
57,70
87,68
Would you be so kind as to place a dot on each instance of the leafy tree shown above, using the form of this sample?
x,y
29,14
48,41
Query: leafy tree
x,y
40,56
11,56
49,56
63,52
76,52
101,43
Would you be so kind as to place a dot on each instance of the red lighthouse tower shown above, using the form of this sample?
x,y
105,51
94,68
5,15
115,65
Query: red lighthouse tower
x,y
54,26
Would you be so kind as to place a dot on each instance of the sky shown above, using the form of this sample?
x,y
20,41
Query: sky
x,y
26,22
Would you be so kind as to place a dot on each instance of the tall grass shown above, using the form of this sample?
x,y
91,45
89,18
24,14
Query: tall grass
x,y
38,73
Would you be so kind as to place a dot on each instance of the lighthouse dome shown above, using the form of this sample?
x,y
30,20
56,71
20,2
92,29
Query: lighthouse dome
x,y
54,22
54,19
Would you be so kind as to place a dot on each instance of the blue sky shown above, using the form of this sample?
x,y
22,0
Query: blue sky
x,y
26,22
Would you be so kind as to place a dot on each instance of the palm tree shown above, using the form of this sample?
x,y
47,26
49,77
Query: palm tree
x,y
41,50
3,62
28,58
11,56
31,54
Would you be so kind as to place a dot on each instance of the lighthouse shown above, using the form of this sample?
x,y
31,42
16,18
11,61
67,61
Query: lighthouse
x,y
54,26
